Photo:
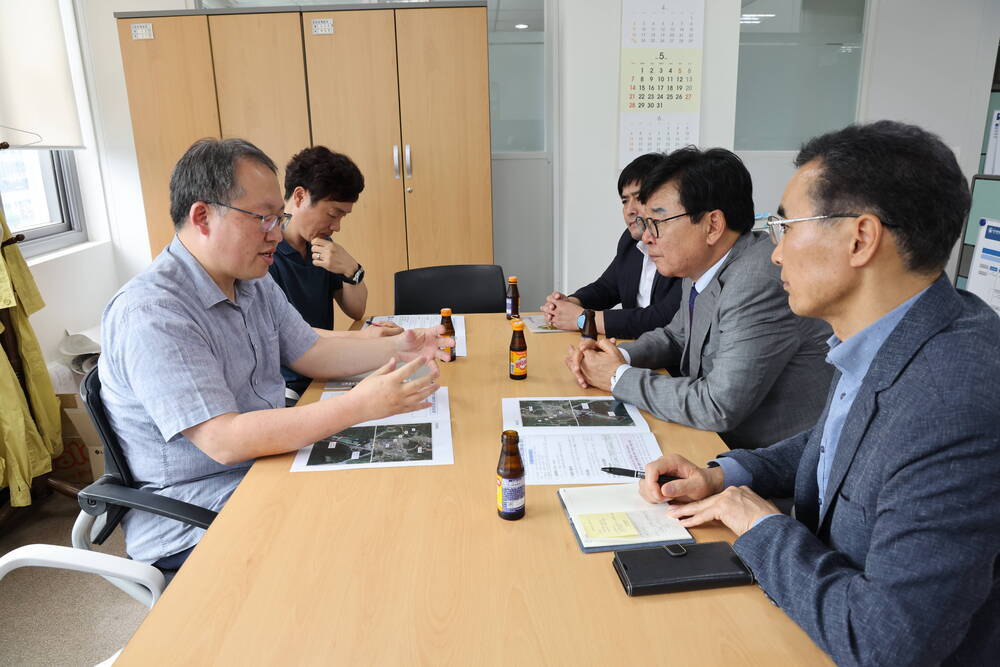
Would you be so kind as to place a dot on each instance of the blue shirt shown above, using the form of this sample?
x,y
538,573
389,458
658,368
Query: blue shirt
x,y
852,357
177,352
309,288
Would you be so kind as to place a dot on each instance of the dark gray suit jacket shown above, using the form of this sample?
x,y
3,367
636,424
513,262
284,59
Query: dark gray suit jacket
x,y
903,565
755,372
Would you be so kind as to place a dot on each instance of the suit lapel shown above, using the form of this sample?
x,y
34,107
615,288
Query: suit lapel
x,y
806,488
706,304
686,286
935,310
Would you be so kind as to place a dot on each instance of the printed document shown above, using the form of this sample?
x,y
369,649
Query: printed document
x,y
425,321
617,517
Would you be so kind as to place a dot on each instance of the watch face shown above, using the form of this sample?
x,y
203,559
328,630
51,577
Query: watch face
x,y
580,320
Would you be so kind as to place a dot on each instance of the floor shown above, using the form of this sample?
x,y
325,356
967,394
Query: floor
x,y
56,617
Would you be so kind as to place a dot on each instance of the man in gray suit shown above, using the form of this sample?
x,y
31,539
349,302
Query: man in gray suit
x,y
893,554
750,369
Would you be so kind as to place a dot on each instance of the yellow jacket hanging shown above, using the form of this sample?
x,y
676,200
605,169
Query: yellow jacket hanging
x,y
29,437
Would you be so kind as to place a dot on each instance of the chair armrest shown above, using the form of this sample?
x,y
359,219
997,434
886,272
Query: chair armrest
x,y
67,558
109,491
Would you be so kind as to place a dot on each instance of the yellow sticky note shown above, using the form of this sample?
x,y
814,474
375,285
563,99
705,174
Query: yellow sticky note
x,y
607,525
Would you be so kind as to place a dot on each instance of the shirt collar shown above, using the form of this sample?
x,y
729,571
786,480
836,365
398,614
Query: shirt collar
x,y
204,287
643,248
706,277
853,356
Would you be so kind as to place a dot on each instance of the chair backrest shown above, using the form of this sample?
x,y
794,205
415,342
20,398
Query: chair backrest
x,y
465,288
114,457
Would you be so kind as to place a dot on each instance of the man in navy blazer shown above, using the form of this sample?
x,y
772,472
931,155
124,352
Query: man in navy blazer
x,y
892,556
648,300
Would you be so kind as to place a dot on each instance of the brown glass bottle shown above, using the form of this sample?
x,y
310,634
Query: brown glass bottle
x,y
589,329
518,352
510,478
513,299
449,331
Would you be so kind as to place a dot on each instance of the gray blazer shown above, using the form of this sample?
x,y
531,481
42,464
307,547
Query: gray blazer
x,y
755,372
903,565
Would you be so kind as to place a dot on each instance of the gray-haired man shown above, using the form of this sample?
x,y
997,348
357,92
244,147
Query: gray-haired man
x,y
193,346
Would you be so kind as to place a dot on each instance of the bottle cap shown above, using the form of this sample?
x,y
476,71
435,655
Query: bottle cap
x,y
517,325
512,279
445,312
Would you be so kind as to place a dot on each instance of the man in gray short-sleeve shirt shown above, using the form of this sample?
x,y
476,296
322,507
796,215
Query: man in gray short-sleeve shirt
x,y
193,346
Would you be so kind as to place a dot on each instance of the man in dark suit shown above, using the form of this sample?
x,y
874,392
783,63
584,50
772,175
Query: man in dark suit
x,y
749,368
893,554
648,299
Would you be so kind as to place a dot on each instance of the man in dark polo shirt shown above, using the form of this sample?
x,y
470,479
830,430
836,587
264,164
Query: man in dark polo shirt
x,y
321,188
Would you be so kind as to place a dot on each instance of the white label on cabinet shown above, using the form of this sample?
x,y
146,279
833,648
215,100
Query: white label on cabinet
x,y
142,31
322,26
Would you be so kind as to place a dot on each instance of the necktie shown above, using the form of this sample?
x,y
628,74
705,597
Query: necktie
x,y
694,295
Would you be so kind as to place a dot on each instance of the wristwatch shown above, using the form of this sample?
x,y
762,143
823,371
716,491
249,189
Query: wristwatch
x,y
358,276
580,321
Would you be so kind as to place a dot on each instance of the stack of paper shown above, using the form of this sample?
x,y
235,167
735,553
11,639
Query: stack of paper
x,y
418,438
567,440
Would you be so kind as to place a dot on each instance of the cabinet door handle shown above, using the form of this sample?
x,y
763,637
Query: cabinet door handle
x,y
407,160
395,160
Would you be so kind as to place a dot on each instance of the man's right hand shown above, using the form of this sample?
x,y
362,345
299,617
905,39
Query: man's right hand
x,y
385,391
694,484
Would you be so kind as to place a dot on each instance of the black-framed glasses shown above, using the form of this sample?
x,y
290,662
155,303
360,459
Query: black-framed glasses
x,y
653,226
267,222
777,225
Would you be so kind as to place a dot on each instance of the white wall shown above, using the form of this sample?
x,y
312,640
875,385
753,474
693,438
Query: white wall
x,y
588,48
77,282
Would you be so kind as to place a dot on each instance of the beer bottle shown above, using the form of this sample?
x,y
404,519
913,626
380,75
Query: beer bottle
x,y
518,352
513,299
449,330
589,328
510,478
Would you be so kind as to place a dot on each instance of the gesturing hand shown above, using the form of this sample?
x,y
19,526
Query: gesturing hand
x,y
385,392
426,343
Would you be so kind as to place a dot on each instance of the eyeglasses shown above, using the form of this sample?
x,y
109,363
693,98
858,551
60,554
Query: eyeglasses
x,y
267,222
777,225
653,226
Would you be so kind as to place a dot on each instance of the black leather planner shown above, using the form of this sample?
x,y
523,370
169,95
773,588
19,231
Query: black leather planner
x,y
677,567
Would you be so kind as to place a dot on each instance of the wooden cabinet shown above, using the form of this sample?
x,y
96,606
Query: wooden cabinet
x,y
260,82
403,92
171,94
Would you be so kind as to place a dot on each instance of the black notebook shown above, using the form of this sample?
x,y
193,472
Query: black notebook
x,y
675,568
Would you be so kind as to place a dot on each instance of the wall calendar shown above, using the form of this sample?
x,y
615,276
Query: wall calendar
x,y
660,79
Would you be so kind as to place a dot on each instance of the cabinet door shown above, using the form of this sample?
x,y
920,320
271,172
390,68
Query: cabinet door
x,y
261,82
444,112
354,107
171,98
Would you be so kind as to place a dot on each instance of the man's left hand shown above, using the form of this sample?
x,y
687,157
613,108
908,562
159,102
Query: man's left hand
x,y
426,343
333,257
737,507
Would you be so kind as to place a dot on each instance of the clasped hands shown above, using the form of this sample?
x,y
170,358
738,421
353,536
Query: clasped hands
x,y
561,311
593,363
700,497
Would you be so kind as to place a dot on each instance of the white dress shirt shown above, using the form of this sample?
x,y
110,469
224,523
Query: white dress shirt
x,y
646,277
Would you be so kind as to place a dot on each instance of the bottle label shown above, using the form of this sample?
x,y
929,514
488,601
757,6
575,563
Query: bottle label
x,y
510,494
510,303
519,362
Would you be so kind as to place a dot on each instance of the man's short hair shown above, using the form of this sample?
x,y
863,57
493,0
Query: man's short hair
x,y
324,174
903,174
636,170
707,180
207,172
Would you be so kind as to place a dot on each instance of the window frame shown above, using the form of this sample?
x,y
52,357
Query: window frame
x,y
65,187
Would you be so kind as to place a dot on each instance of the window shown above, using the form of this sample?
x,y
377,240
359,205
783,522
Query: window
x,y
800,63
41,198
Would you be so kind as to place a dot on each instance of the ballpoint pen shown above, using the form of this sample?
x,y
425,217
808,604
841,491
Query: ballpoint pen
x,y
638,474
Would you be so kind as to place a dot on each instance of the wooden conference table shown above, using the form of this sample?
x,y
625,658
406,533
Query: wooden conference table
x,y
412,565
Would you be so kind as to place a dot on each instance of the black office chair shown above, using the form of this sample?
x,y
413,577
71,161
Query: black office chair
x,y
465,288
114,493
